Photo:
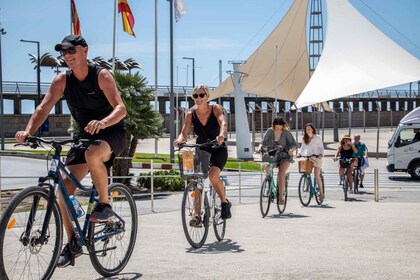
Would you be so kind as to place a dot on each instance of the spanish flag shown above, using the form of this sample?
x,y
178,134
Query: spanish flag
x,y
127,16
75,19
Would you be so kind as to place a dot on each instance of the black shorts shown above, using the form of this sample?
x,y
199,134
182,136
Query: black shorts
x,y
218,156
115,138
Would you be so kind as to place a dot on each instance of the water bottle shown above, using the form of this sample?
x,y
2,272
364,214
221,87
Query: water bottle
x,y
77,206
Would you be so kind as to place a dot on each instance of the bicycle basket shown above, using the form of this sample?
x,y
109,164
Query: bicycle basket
x,y
344,163
266,157
194,163
306,166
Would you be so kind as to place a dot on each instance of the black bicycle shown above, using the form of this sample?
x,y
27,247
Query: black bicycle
x,y
31,232
199,211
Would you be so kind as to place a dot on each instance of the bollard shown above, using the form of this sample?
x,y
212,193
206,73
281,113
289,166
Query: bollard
x,y
376,184
151,186
240,185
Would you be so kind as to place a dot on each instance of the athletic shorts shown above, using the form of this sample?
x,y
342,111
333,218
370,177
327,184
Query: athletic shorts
x,y
218,156
115,139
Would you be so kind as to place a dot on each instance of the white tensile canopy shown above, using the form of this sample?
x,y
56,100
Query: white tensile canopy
x,y
357,57
292,63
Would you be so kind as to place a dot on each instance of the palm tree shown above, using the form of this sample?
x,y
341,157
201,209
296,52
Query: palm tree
x,y
141,121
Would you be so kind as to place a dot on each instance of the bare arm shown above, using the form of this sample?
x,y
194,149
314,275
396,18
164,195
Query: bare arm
x,y
55,92
337,152
107,85
185,130
218,111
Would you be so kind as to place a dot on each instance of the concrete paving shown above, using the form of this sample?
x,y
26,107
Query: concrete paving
x,y
358,239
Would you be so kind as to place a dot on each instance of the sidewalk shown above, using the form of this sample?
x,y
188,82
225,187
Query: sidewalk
x,y
339,240
369,137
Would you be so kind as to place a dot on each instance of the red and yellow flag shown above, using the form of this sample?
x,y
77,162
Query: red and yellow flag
x,y
75,19
127,16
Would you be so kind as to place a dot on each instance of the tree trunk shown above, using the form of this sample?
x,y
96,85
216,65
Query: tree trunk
x,y
123,164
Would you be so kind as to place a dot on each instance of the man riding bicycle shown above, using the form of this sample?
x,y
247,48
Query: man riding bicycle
x,y
361,155
97,108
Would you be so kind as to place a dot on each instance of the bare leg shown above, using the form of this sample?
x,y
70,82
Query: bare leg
x,y
95,158
214,176
317,171
282,177
79,171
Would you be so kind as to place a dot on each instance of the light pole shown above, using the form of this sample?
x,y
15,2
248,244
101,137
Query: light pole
x,y
2,32
193,69
38,74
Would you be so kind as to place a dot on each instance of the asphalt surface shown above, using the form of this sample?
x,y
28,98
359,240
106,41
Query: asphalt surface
x,y
357,239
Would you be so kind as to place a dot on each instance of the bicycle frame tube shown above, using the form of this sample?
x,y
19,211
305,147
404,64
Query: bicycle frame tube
x,y
78,231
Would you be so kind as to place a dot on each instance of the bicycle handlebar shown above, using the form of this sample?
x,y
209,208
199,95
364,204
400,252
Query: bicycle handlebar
x,y
210,143
79,143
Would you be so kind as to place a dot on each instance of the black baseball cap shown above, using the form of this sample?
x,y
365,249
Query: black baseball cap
x,y
71,41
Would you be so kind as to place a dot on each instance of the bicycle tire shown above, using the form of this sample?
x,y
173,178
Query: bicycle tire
x,y
319,201
282,208
356,180
219,225
305,190
345,185
30,261
112,243
196,234
265,197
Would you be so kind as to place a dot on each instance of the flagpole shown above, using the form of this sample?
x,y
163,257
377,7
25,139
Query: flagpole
x,y
113,36
171,95
71,19
156,70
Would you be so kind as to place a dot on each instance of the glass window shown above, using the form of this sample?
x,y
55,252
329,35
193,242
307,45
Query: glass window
x,y
66,110
251,105
264,106
167,107
28,106
408,136
8,107
287,106
185,104
226,105
361,106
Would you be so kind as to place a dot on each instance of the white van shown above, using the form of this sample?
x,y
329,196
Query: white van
x,y
404,146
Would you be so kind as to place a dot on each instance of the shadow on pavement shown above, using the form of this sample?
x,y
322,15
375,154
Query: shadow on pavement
x,y
287,216
326,206
402,178
225,245
123,276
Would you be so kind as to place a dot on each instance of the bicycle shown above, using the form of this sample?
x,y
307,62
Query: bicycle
x,y
31,232
356,174
199,211
306,189
346,164
270,189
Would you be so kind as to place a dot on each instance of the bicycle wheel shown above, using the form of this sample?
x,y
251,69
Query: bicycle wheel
x,y
111,244
27,257
281,207
356,177
219,225
345,185
265,197
305,190
195,231
318,193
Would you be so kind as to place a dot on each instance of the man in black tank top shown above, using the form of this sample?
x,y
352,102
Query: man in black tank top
x,y
98,110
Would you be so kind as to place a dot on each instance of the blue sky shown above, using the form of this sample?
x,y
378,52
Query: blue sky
x,y
210,31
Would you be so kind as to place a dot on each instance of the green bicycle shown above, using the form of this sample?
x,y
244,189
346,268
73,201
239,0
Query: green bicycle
x,y
269,193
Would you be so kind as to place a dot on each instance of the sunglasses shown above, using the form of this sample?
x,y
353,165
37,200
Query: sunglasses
x,y
71,50
201,95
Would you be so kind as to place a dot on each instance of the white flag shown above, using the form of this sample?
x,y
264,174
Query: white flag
x,y
180,9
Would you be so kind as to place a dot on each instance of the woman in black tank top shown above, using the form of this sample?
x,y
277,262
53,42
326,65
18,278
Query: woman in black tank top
x,y
209,124
345,151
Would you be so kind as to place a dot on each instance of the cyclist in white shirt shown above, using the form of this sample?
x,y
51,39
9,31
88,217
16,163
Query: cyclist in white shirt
x,y
312,145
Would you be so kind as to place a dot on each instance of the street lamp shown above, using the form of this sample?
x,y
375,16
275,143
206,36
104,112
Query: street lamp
x,y
38,74
2,32
193,69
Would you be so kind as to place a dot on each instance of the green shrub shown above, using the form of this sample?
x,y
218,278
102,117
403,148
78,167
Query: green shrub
x,y
175,183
